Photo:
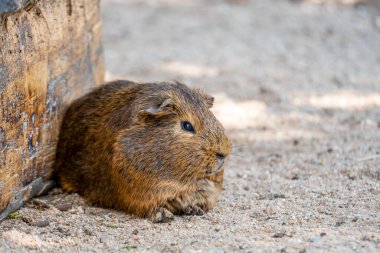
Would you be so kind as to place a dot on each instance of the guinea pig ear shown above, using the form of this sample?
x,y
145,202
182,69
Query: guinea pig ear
x,y
165,108
207,99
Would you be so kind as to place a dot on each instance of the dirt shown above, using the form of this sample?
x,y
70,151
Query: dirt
x,y
297,87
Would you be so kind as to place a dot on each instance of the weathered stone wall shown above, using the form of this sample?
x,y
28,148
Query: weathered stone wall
x,y
50,54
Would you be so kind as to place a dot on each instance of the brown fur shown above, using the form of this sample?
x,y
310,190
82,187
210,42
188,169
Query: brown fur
x,y
122,146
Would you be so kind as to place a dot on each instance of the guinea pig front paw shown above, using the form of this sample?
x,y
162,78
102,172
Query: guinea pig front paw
x,y
193,210
163,215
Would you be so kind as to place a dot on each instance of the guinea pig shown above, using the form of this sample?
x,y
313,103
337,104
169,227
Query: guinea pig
x,y
149,149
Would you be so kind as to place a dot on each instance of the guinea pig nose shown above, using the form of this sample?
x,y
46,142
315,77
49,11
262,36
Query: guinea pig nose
x,y
220,156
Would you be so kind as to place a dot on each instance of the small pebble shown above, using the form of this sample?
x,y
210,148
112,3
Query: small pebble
x,y
272,196
42,223
26,219
40,203
80,210
278,235
339,223
52,211
278,196
313,239
63,207
135,232
295,177
87,231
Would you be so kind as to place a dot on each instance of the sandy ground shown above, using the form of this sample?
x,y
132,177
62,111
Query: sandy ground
x,y
297,86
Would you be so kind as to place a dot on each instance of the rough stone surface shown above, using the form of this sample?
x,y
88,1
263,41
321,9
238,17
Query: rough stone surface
x,y
33,189
297,87
8,6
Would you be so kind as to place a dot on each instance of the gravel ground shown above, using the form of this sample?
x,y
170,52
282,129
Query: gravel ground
x,y
297,86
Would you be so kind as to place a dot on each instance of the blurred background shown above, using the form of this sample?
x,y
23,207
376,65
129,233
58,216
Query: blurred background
x,y
290,66
297,87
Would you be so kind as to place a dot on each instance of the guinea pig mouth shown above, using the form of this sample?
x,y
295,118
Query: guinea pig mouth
x,y
216,168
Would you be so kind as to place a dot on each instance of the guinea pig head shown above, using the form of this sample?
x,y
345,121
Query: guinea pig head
x,y
175,135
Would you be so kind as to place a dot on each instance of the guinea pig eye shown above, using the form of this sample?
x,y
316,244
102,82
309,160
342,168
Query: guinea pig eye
x,y
187,126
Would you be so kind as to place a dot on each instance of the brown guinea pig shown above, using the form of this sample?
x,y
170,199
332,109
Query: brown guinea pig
x,y
152,149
